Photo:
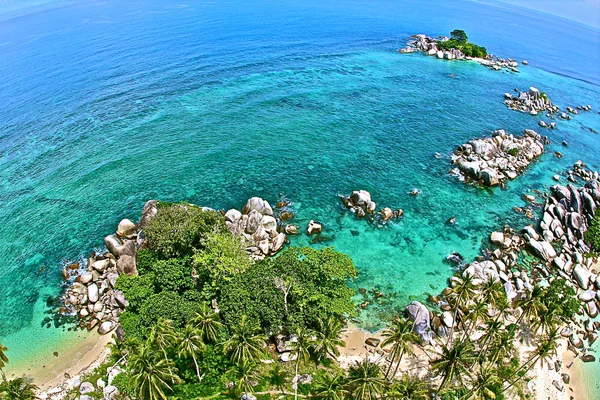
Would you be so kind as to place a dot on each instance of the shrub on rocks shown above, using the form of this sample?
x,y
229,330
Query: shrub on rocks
x,y
592,235
177,229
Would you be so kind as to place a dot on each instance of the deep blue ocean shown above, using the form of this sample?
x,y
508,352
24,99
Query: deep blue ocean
x,y
107,104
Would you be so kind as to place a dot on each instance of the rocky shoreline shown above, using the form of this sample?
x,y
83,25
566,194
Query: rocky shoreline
x,y
430,46
557,242
491,161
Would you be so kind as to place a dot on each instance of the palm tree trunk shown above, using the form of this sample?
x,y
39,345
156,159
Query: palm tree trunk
x,y
520,377
397,364
391,362
197,369
296,377
455,323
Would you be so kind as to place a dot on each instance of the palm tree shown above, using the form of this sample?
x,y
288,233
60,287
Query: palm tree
x,y
400,335
532,305
493,292
3,357
191,345
503,344
17,389
245,342
502,306
163,337
302,346
208,322
477,312
484,385
150,372
327,338
454,362
246,377
463,290
330,387
365,380
545,350
407,388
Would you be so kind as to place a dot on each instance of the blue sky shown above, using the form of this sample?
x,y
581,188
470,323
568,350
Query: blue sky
x,y
583,11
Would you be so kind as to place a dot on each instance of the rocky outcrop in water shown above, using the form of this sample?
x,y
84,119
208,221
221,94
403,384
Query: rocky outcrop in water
x,y
532,102
92,295
258,228
361,204
491,161
430,46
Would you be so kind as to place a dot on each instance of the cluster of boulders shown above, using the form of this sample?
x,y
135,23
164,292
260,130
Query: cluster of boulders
x,y
532,102
429,46
558,241
499,63
361,204
493,160
92,294
258,228
108,391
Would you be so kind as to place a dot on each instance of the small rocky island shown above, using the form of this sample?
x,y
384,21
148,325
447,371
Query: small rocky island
x,y
532,101
491,161
457,47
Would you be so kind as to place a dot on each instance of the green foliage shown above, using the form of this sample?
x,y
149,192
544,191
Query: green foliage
x,y
124,383
17,389
136,289
3,357
561,297
459,35
222,258
592,235
168,305
469,49
172,275
514,151
177,229
315,283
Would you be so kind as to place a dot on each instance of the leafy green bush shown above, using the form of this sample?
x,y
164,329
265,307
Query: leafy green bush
x,y
459,35
177,229
592,235
221,259
315,283
469,49
514,151
172,275
124,383
167,305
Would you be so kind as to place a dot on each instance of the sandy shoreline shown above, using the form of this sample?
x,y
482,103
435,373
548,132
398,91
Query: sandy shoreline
x,y
93,350
76,360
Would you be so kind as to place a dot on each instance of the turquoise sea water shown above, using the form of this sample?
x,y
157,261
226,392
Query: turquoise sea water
x,y
104,105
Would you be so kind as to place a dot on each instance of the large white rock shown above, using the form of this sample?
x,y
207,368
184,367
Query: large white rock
x,y
126,227
581,276
258,204
86,387
588,295
233,215
497,238
86,278
93,293
542,249
360,197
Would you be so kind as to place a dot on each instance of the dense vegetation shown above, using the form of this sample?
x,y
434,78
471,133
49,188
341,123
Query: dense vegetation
x,y
192,265
204,319
592,235
460,41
